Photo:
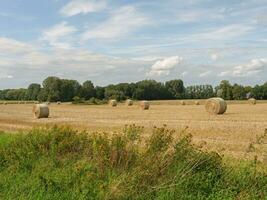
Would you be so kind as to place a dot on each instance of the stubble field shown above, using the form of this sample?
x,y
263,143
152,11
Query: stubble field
x,y
236,133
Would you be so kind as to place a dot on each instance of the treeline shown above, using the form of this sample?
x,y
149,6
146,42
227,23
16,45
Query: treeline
x,y
55,89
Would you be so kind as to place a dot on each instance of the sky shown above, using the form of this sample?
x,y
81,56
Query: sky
x,y
112,41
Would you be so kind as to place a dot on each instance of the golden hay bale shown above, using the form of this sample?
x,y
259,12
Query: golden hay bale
x,y
113,103
129,102
252,101
41,111
58,103
216,106
197,103
183,102
144,105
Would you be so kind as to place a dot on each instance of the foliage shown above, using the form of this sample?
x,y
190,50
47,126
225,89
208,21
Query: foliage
x,y
60,163
55,89
88,90
175,88
33,91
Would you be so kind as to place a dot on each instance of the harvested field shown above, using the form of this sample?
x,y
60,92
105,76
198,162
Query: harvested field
x,y
230,133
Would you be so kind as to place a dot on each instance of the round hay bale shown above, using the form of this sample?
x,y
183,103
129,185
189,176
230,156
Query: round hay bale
x,y
197,103
40,111
129,102
252,101
113,103
144,105
216,106
58,103
183,102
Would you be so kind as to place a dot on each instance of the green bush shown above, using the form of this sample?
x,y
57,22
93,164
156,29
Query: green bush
x,y
60,163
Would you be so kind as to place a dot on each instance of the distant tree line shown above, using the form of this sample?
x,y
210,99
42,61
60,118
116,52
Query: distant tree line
x,y
55,89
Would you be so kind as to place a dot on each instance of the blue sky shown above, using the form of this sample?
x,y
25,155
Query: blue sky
x,y
109,41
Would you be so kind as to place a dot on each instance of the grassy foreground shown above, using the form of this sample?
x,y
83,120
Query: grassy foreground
x,y
60,163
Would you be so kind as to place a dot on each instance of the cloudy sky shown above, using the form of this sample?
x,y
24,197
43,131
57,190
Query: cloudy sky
x,y
111,41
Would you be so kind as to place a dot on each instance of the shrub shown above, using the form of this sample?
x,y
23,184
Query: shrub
x,y
61,163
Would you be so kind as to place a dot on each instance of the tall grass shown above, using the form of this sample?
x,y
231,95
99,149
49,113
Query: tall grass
x,y
61,163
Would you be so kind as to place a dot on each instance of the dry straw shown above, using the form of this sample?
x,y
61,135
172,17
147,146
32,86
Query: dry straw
x,y
113,103
183,102
252,101
216,106
129,102
41,111
144,105
197,103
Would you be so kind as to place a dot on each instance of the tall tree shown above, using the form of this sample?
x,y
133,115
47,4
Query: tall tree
x,y
88,90
225,90
69,89
175,88
239,92
51,89
33,91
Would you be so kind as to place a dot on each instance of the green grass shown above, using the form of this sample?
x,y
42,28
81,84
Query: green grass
x,y
5,138
60,163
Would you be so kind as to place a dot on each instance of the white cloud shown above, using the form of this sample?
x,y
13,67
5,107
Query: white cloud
x,y
56,35
193,15
254,67
163,67
76,7
122,22
204,74
4,74
224,73
214,56
8,46
218,34
184,73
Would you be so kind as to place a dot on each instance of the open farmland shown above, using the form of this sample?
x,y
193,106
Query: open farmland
x,y
230,134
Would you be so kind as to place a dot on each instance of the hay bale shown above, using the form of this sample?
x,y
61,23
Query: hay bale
x,y
58,103
40,111
252,101
216,106
197,103
113,103
183,102
144,105
5,103
129,102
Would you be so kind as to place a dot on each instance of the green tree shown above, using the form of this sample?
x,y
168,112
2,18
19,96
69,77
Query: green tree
x,y
88,90
33,91
51,89
100,92
225,89
150,90
175,88
69,89
16,94
239,92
